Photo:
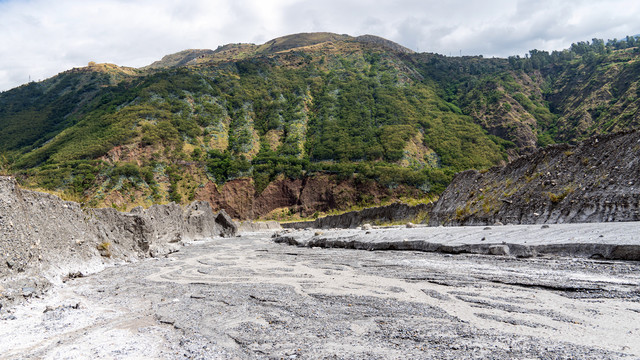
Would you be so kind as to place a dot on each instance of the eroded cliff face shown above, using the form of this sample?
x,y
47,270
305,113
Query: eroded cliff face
x,y
352,219
43,238
304,196
597,180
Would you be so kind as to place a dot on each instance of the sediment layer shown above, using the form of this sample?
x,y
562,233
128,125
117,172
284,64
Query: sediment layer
x,y
43,238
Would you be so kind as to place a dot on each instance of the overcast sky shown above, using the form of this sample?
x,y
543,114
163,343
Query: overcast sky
x,y
40,38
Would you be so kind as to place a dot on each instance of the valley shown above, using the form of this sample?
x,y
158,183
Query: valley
x,y
250,298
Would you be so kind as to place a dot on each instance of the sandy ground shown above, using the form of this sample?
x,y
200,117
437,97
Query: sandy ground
x,y
614,241
249,297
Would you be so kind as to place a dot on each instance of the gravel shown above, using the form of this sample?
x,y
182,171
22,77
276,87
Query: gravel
x,y
251,298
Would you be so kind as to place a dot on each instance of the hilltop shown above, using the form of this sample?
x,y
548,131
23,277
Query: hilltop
x,y
305,123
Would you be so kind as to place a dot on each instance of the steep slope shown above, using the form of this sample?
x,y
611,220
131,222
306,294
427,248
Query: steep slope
x,y
348,108
244,119
563,96
43,238
594,181
32,114
596,96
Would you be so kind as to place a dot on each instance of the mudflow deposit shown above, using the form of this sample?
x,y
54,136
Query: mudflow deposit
x,y
173,282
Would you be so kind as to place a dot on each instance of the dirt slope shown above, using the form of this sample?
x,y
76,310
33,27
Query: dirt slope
x,y
44,239
594,181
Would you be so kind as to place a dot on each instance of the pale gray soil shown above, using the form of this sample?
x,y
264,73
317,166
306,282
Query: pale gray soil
x,y
614,240
249,297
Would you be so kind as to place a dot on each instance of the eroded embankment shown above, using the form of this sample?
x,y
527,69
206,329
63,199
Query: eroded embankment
x,y
353,219
43,238
611,241
594,181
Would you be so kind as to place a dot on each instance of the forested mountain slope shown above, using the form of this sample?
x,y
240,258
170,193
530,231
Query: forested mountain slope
x,y
250,127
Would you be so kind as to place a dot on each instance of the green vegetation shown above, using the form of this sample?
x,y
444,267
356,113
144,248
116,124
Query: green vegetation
x,y
556,198
354,110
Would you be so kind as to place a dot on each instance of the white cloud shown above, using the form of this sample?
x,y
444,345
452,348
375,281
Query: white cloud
x,y
40,38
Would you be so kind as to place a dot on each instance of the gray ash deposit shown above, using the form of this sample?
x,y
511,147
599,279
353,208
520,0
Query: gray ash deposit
x,y
44,239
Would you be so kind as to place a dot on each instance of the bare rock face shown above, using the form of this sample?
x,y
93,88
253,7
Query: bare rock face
x,y
226,226
353,219
43,238
597,180
200,219
235,196
306,196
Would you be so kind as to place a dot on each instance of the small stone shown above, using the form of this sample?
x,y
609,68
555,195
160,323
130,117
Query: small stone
x,y
545,226
483,239
498,223
410,225
366,227
28,291
487,228
499,250
318,233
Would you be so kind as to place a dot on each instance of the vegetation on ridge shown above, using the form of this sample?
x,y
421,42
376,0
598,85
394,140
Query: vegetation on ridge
x,y
357,108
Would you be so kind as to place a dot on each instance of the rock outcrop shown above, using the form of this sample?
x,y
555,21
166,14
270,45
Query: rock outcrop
x,y
43,238
255,226
390,213
597,180
304,196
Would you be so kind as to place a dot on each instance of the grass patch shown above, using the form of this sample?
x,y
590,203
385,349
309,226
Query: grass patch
x,y
105,249
556,198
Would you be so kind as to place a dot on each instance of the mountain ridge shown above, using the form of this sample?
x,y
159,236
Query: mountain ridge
x,y
279,44
357,109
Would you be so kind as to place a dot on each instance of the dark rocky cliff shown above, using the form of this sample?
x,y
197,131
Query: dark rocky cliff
x,y
353,219
594,181
43,238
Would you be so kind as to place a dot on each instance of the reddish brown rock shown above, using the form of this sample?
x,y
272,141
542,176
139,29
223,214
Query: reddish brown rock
x,y
305,196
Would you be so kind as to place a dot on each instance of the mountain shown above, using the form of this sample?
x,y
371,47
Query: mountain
x,y
305,123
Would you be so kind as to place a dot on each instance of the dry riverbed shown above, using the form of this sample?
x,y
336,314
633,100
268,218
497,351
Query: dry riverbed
x,y
249,297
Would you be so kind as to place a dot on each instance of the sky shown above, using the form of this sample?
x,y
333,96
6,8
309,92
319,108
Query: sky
x,y
40,38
